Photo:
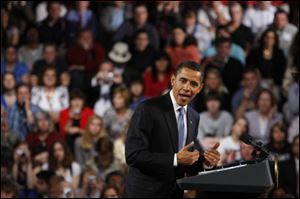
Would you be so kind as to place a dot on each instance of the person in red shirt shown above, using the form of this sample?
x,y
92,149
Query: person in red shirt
x,y
157,80
73,120
44,135
183,47
84,58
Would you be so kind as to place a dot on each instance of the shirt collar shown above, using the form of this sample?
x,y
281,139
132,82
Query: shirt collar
x,y
175,105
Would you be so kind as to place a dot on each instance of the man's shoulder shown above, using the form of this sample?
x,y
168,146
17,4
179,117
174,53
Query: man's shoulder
x,y
155,102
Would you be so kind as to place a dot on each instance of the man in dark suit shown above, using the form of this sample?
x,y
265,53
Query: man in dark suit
x,y
162,145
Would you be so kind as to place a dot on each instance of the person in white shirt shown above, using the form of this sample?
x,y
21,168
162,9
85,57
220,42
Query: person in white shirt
x,y
230,145
259,17
50,97
214,123
266,115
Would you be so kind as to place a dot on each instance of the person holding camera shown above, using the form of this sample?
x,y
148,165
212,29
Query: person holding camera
x,y
105,80
22,168
21,115
91,185
73,120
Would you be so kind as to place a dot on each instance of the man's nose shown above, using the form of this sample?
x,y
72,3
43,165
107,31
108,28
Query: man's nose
x,y
187,86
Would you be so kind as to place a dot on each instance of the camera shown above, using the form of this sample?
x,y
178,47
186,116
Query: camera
x,y
110,76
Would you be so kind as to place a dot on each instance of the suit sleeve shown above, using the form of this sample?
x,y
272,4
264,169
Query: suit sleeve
x,y
137,145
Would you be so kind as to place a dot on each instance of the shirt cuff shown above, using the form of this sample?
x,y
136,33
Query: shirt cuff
x,y
175,160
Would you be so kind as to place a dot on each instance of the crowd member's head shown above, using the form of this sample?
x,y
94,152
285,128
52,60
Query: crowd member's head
x,y
104,149
44,123
49,78
8,82
223,47
251,78
77,102
82,5
42,182
141,40
190,18
240,126
86,39
278,135
265,101
10,55
94,130
49,53
120,98
295,146
246,151
263,5
213,79
178,36
53,9
222,32
60,156
140,14
236,12
9,189
6,166
116,178
161,64
32,36
110,192
186,82
269,39
213,102
281,19
136,88
56,187
23,93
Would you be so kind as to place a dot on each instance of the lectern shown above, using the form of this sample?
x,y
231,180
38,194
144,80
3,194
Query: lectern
x,y
244,178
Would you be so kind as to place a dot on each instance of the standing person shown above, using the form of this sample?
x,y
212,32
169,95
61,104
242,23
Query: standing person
x,y
158,152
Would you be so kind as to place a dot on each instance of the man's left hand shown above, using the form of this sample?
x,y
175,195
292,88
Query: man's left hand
x,y
212,157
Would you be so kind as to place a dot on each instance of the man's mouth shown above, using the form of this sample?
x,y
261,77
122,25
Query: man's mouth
x,y
184,96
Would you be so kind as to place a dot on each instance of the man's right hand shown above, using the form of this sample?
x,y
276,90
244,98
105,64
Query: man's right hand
x,y
185,157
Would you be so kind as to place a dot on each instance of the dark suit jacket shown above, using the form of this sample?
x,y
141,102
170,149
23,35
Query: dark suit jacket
x,y
151,144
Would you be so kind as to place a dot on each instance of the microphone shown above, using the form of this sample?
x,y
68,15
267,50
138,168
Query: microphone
x,y
247,139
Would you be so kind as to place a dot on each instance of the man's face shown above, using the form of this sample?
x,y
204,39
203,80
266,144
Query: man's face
x,y
11,55
223,49
281,21
140,15
54,10
186,85
49,54
250,80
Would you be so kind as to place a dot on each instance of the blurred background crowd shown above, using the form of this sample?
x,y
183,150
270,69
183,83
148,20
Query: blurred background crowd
x,y
72,74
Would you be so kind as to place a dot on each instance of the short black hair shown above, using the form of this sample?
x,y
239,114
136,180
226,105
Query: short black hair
x,y
114,173
213,96
191,65
250,69
280,11
23,85
45,175
222,40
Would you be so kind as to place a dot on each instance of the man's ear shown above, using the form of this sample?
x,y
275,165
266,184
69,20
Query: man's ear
x,y
173,80
200,88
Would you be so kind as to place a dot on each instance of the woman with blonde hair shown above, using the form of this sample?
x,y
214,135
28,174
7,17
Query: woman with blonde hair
x,y
85,145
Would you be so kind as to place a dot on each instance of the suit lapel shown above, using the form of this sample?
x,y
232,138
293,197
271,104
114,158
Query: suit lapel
x,y
171,121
